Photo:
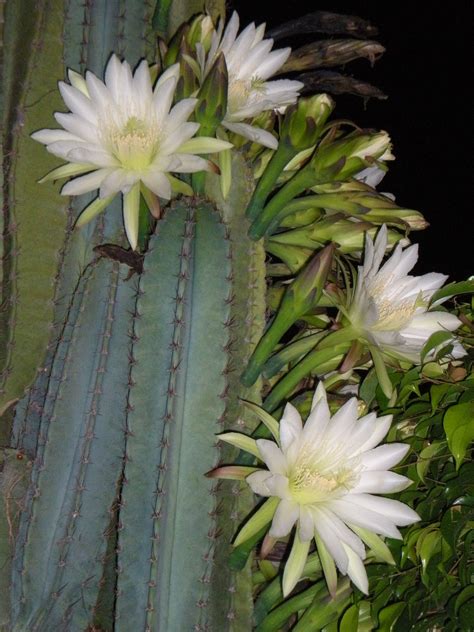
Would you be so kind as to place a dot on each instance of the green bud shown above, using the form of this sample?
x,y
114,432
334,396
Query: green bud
x,y
349,235
200,31
294,257
300,297
212,98
368,205
303,122
174,47
347,156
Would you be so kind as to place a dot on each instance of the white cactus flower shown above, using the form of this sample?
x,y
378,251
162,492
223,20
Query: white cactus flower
x,y
250,62
390,308
124,134
325,475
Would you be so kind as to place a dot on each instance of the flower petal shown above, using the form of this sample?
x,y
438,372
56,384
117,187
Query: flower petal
x,y
255,134
272,456
131,210
385,456
291,427
395,511
285,517
356,570
86,183
381,482
350,511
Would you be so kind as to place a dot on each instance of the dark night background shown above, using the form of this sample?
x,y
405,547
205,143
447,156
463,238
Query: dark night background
x,y
426,73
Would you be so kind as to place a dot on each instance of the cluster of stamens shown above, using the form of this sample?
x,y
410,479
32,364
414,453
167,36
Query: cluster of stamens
x,y
134,144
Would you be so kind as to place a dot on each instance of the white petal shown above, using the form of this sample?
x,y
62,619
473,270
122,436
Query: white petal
x,y
79,127
62,148
369,432
163,98
258,482
395,511
254,134
131,211
86,183
306,523
341,426
385,456
272,456
187,163
381,482
356,571
87,153
78,81
424,325
179,114
158,183
350,511
273,62
323,527
142,82
251,62
98,92
204,145
175,140
317,422
47,136
118,180
113,73
78,103
285,517
291,427
343,532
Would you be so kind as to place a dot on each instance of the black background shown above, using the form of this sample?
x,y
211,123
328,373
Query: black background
x,y
426,73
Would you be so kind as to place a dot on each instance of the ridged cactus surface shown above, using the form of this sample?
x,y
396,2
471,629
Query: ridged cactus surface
x,y
63,531
167,529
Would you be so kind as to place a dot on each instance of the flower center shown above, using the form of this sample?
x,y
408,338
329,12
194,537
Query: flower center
x,y
314,481
393,315
134,144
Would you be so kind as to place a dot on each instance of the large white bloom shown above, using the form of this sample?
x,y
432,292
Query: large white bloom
x,y
390,308
122,133
325,474
250,62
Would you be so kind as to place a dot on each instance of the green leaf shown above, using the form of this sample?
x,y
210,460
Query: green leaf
x,y
350,620
452,523
436,339
388,616
452,289
459,427
368,387
465,595
425,457
437,392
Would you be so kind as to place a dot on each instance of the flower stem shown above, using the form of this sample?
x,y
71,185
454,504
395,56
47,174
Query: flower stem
x,y
278,162
332,345
298,183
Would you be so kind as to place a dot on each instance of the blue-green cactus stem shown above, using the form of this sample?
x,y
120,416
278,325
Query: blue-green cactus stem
x,y
234,610
177,397
79,460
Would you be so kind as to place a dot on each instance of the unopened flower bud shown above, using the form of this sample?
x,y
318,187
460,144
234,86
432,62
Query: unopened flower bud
x,y
212,98
303,121
347,156
200,31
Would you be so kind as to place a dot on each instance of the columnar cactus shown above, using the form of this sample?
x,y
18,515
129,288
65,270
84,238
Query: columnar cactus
x,y
148,343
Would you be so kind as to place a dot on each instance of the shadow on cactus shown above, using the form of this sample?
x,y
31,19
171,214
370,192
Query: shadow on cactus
x,y
219,254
